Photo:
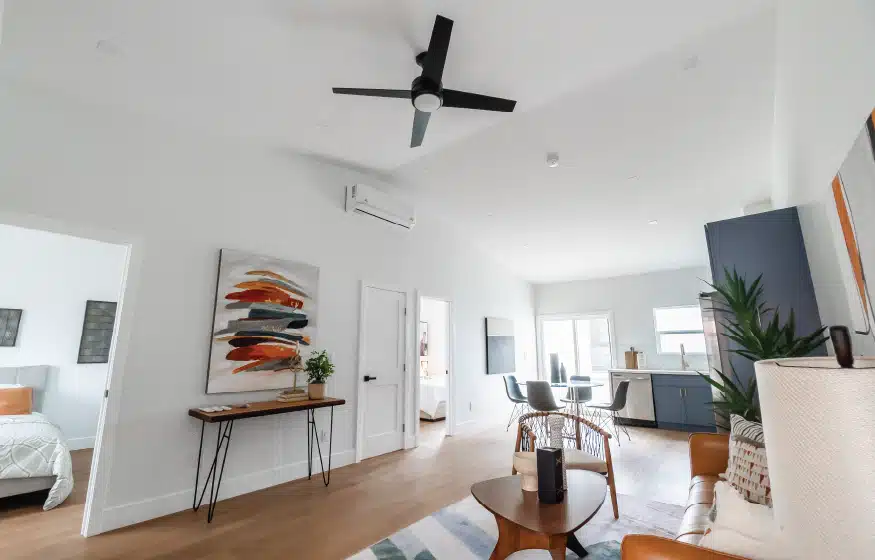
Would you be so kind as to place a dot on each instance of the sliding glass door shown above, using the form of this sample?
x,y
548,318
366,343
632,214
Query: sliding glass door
x,y
583,344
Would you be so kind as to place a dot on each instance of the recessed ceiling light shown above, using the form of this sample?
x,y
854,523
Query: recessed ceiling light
x,y
552,159
652,222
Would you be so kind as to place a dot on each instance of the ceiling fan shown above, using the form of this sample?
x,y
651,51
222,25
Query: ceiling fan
x,y
427,92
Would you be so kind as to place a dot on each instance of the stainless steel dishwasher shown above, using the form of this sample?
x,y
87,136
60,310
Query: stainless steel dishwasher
x,y
639,401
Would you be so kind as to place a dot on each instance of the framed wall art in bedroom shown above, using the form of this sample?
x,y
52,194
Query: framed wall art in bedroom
x,y
10,319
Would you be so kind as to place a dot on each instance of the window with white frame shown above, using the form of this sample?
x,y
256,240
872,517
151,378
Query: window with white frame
x,y
679,325
584,345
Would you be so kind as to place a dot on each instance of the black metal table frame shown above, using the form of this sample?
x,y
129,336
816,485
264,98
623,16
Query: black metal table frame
x,y
223,439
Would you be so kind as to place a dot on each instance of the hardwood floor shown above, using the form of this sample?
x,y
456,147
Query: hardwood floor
x,y
365,502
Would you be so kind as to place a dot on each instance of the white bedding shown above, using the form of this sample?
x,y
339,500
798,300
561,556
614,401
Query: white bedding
x,y
31,446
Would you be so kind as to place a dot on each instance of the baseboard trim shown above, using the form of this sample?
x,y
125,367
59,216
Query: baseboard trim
x,y
116,517
80,443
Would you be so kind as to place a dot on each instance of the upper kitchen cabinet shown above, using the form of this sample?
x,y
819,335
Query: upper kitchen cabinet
x,y
770,244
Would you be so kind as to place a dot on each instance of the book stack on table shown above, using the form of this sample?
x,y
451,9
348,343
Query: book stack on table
x,y
292,395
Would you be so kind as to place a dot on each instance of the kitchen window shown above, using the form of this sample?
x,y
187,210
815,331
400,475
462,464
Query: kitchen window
x,y
679,325
584,344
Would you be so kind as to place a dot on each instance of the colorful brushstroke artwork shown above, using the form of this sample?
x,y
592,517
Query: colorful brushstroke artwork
x,y
263,323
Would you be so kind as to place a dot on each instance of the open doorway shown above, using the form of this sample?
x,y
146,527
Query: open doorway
x,y
59,299
434,333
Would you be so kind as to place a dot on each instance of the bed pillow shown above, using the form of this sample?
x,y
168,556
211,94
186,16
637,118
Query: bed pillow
x,y
748,470
16,400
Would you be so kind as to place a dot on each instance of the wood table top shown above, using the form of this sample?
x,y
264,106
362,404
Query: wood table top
x,y
505,498
264,408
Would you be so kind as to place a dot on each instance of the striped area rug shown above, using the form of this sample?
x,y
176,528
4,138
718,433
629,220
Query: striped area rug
x,y
466,531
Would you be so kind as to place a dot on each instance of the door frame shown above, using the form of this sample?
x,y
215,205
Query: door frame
x,y
107,422
360,365
413,376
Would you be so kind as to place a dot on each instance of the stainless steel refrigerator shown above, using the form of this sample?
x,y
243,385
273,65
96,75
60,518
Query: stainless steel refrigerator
x,y
716,342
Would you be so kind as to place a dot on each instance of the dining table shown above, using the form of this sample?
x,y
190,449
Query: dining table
x,y
573,385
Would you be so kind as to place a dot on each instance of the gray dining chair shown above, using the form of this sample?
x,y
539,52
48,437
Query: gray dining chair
x,y
608,412
584,394
520,404
540,396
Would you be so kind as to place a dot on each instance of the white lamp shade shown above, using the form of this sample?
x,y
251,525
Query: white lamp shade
x,y
819,425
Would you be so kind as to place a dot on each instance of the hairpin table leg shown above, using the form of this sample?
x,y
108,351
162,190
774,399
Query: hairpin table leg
x,y
214,476
313,436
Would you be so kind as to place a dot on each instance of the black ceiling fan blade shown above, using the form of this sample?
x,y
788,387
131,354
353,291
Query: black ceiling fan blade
x,y
420,122
396,93
438,46
465,100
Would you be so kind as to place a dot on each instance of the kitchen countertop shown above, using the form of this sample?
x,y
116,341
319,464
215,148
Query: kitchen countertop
x,y
656,371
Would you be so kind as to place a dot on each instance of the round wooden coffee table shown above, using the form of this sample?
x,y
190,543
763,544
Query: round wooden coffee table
x,y
524,522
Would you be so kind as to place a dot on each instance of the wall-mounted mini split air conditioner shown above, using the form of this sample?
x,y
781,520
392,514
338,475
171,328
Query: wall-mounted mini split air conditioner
x,y
375,203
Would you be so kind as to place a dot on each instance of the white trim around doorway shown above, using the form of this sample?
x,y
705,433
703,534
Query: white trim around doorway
x,y
413,376
95,501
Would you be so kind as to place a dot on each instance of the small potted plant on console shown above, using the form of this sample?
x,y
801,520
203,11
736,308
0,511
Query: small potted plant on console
x,y
318,368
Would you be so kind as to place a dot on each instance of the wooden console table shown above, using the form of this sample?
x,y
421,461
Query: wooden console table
x,y
226,420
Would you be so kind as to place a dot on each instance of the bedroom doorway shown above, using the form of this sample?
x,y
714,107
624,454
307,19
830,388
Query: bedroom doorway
x,y
434,372
61,298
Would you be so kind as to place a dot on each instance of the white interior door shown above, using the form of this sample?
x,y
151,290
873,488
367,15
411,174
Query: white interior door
x,y
383,357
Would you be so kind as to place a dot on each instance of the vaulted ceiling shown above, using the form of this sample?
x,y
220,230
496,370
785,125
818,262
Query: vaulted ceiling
x,y
659,110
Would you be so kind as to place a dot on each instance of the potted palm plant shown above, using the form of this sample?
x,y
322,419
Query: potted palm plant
x,y
318,368
744,308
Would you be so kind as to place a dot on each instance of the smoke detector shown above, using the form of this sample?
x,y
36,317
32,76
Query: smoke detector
x,y
552,159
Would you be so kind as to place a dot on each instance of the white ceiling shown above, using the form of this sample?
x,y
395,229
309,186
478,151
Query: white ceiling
x,y
600,82
657,142
265,68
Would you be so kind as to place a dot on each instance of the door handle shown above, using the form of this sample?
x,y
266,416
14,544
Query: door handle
x,y
369,378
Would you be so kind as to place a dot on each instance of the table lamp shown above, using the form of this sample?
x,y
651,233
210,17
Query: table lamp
x,y
819,426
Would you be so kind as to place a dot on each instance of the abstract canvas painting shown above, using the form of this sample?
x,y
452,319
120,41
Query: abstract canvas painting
x,y
500,346
853,189
263,323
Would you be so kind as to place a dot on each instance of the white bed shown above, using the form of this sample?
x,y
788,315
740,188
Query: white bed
x,y
432,398
33,451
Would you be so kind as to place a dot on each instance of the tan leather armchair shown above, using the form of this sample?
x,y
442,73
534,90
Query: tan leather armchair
x,y
709,455
648,547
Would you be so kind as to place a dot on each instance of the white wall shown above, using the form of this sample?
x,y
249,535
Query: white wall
x,y
50,277
181,196
436,313
825,89
632,300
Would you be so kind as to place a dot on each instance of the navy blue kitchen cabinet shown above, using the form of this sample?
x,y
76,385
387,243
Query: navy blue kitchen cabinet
x,y
668,404
768,244
682,403
700,413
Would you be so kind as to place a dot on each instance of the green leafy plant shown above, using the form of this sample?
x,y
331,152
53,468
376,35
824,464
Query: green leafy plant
x,y
745,308
737,398
318,367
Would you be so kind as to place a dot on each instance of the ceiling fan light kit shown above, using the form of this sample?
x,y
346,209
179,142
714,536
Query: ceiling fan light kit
x,y
427,93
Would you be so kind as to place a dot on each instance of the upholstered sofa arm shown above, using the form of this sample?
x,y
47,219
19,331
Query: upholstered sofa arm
x,y
648,547
709,454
